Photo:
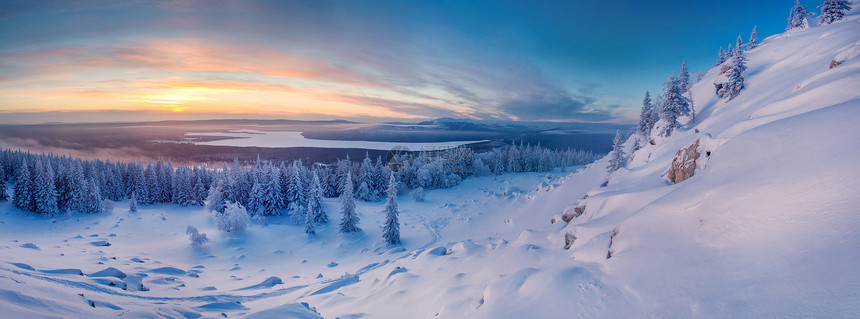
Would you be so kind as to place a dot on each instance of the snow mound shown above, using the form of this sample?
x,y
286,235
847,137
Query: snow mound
x,y
108,272
292,310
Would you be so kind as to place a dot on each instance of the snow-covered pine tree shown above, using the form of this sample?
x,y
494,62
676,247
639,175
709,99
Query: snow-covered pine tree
x,y
365,190
216,201
378,178
349,220
617,158
797,17
675,105
753,39
298,204
343,170
315,196
391,227
722,56
78,185
132,204
195,237
740,45
198,195
165,181
330,183
270,200
735,75
22,192
684,77
294,184
730,52
152,189
309,223
92,199
833,10
648,116
46,194
3,195
234,219
255,197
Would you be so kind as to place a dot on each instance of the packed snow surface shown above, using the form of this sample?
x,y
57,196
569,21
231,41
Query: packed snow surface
x,y
767,227
249,138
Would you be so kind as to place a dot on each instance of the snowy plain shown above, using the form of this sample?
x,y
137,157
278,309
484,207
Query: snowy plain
x,y
768,227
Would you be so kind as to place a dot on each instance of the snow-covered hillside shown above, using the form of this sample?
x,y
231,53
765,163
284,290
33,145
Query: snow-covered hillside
x,y
767,227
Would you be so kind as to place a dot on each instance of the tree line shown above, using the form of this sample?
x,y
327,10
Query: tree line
x,y
51,184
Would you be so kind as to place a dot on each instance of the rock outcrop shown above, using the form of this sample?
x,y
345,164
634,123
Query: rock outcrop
x,y
568,240
571,213
684,164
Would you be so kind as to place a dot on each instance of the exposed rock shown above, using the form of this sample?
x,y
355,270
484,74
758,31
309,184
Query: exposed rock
x,y
684,164
569,214
568,240
834,63
724,69
718,87
611,251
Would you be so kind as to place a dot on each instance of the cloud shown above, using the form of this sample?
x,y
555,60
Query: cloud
x,y
558,107
282,54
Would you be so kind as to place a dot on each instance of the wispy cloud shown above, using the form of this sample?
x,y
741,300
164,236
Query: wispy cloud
x,y
282,57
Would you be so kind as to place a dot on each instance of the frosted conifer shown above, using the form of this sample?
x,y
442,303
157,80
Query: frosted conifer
x,y
797,17
833,11
349,220
391,228
753,39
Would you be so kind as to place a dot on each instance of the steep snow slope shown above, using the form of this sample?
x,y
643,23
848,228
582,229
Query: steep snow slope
x,y
767,227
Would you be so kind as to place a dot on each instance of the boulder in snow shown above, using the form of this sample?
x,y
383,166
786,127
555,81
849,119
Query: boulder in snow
x,y
684,164
568,240
572,212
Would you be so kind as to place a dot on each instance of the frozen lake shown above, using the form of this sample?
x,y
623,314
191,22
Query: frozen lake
x,y
253,138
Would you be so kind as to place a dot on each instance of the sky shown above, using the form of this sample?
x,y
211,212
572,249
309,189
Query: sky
x,y
576,61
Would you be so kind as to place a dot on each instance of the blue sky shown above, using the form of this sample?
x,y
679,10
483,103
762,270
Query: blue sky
x,y
585,61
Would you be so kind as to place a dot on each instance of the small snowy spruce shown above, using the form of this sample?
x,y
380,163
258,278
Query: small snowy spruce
x,y
22,192
234,219
833,11
195,237
684,81
418,194
315,198
675,105
648,116
753,39
2,183
46,194
132,204
617,158
349,220
735,74
391,227
797,17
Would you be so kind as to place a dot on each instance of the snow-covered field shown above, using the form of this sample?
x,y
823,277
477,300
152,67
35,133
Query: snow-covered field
x,y
767,227
277,265
252,138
